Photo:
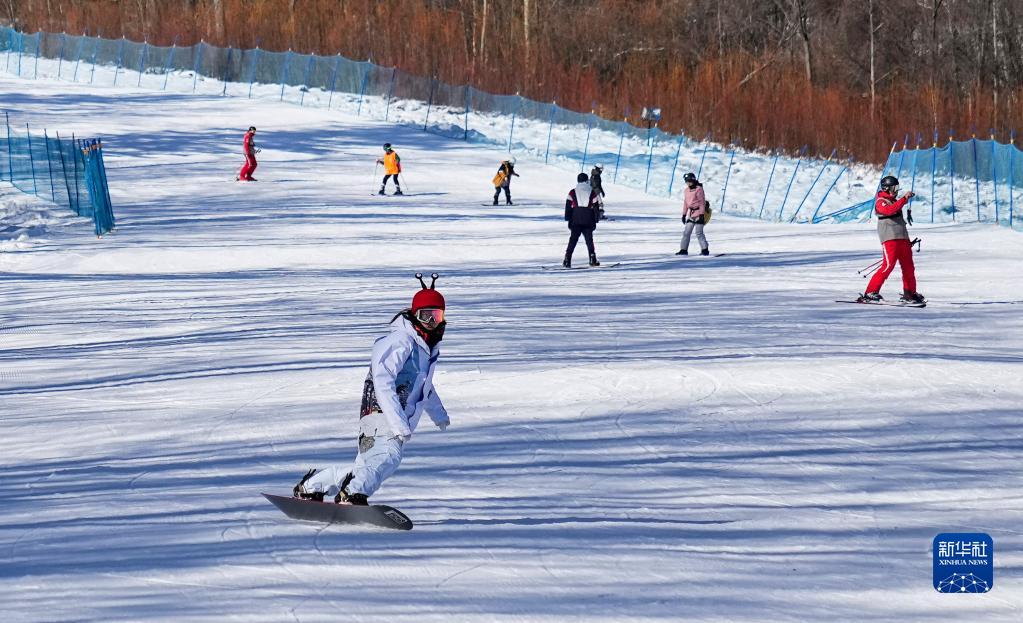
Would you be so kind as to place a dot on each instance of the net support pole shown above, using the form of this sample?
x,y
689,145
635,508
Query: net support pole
x,y
550,131
770,178
429,102
792,179
621,142
728,174
813,219
511,133
170,62
674,167
806,196
31,161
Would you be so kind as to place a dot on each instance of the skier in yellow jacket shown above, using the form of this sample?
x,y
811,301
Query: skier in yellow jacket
x,y
392,167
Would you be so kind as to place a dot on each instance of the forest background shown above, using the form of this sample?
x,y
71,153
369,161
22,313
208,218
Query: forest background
x,y
849,74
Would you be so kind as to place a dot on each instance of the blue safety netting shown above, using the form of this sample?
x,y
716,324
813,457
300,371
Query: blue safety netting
x,y
963,181
65,171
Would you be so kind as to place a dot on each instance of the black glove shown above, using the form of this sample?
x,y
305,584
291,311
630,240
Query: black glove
x,y
909,216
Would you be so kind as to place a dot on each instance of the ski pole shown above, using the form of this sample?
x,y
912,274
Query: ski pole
x,y
869,268
403,182
914,241
376,165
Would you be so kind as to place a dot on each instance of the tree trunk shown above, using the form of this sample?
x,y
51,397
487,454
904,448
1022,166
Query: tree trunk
x,y
218,21
483,36
526,10
934,62
997,68
873,78
803,23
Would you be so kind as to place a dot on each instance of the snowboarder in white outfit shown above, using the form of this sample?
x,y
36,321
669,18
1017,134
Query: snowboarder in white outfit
x,y
398,390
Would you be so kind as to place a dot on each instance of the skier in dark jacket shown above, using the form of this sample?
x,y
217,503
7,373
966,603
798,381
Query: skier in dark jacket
x,y
503,180
581,214
598,187
891,229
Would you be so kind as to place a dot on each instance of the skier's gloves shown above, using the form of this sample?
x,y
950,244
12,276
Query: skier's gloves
x,y
909,216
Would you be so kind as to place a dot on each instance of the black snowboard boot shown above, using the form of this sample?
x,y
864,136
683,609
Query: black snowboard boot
x,y
593,261
870,297
353,499
300,492
398,192
683,252
567,262
495,201
705,251
381,191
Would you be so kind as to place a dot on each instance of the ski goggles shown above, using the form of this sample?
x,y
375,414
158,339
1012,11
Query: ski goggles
x,y
430,316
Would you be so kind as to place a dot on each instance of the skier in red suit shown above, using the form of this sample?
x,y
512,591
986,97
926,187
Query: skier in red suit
x,y
891,228
250,150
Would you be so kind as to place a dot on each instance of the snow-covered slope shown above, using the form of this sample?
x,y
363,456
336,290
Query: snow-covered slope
x,y
675,439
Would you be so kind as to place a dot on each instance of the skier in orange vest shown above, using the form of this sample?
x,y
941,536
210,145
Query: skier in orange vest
x,y
392,168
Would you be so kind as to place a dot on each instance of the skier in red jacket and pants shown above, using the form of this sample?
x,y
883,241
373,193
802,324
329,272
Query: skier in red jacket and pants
x,y
250,150
891,228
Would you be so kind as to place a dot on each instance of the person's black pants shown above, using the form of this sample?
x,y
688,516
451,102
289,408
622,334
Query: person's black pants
x,y
507,193
587,234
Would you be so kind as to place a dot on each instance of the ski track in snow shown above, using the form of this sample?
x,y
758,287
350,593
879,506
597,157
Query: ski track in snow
x,y
711,439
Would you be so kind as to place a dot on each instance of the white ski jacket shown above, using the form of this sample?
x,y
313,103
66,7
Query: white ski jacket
x,y
401,371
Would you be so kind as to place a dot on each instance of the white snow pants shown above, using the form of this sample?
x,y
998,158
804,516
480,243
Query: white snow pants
x,y
372,467
690,226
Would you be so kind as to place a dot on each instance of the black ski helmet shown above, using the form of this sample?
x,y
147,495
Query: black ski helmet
x,y
387,146
689,177
889,181
582,177
252,128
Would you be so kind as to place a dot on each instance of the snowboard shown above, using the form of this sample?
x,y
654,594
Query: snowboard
x,y
581,267
698,255
888,303
328,512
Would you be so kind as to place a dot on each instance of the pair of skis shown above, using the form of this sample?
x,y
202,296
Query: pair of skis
x,y
580,267
888,303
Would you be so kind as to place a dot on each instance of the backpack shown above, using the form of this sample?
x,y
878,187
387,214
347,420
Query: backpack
x,y
499,178
707,212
